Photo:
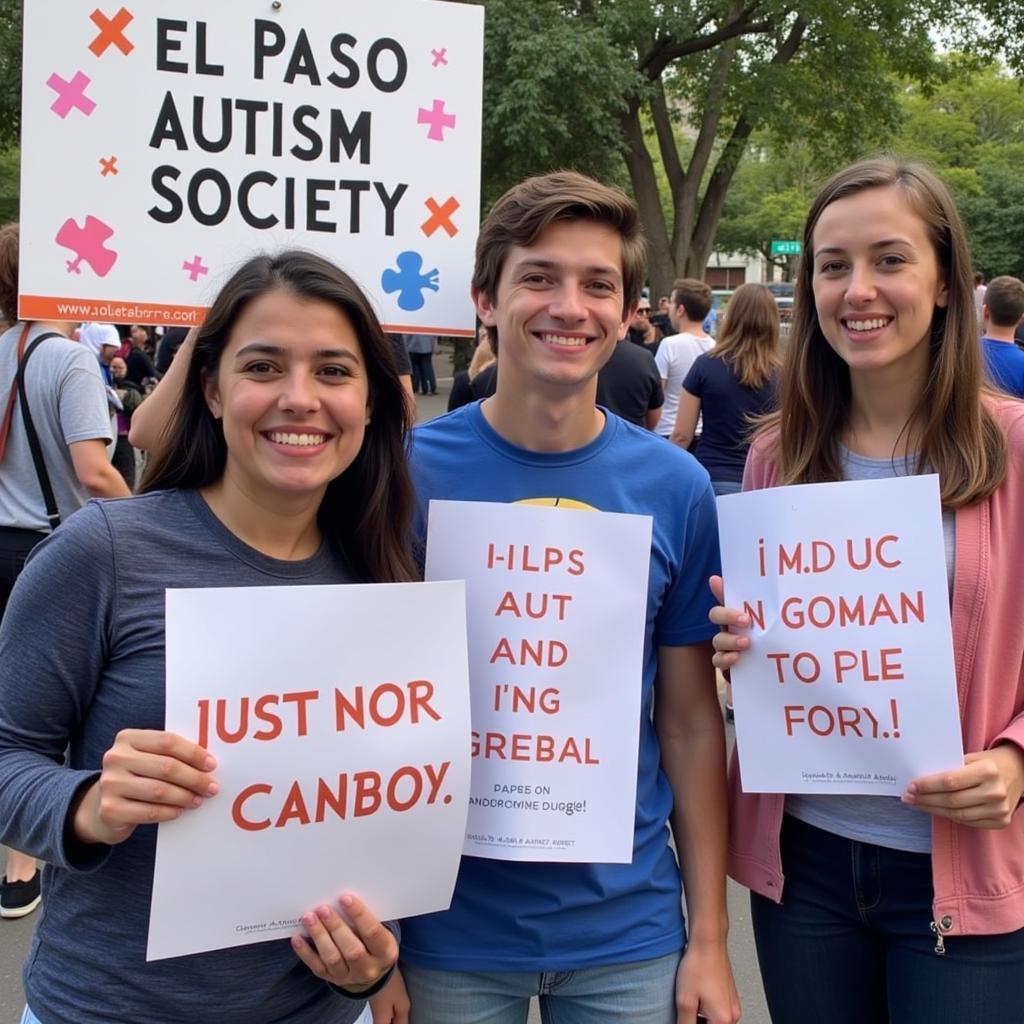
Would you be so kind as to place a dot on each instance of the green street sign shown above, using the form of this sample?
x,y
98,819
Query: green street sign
x,y
785,247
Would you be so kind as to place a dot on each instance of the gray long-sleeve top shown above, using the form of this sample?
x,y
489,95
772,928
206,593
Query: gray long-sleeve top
x,y
82,657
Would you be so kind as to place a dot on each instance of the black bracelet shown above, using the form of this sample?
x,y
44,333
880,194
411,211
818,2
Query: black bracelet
x,y
371,991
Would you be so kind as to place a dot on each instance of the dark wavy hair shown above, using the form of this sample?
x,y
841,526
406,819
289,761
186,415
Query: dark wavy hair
x,y
367,510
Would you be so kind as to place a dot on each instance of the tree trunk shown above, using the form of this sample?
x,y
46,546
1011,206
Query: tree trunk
x,y
661,270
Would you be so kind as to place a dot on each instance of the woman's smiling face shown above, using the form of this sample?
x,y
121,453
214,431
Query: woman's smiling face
x,y
292,393
876,282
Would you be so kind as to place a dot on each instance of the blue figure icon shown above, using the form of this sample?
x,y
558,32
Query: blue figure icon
x,y
409,281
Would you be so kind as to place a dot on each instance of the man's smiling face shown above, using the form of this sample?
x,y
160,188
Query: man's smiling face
x,y
559,309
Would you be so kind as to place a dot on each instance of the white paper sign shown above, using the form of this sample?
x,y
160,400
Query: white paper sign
x,y
556,602
849,684
339,717
164,143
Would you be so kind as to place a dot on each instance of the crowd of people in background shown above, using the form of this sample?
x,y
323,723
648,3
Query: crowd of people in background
x,y
897,363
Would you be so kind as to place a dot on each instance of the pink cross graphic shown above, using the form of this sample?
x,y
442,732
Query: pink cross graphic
x,y
195,268
70,94
440,56
437,119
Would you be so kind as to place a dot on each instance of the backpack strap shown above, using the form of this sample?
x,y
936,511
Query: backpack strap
x,y
52,514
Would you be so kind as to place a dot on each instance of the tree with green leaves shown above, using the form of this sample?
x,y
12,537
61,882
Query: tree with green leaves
x,y
10,73
769,197
674,92
971,128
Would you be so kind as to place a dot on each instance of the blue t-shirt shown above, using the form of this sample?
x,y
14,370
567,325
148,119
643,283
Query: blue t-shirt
x,y
1004,363
515,916
726,408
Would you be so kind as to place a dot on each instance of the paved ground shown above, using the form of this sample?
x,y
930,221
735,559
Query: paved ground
x,y
15,935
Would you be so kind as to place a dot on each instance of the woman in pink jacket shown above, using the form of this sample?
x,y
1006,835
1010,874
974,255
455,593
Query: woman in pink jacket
x,y
873,909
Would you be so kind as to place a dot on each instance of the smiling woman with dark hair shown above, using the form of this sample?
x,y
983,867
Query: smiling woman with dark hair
x,y
283,464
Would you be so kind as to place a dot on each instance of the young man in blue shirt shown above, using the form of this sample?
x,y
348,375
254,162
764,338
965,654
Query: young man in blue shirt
x,y
1002,311
560,263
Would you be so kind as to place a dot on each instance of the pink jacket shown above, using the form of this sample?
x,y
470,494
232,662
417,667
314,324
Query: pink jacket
x,y
978,874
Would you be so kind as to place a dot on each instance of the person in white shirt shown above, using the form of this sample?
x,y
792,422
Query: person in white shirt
x,y
979,298
690,303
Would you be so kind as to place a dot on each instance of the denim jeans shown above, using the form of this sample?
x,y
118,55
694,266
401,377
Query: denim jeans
x,y
851,943
726,487
636,993
28,1017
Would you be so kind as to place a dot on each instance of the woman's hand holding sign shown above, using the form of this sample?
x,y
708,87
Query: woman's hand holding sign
x,y
728,643
983,794
353,954
148,776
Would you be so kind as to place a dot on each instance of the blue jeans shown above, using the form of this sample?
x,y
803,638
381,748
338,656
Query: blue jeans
x,y
636,993
851,942
726,487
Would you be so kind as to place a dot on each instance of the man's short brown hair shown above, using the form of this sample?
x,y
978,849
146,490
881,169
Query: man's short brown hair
x,y
526,209
1004,297
694,296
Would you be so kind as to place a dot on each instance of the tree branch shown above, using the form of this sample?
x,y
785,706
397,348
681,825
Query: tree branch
x,y
721,177
667,50
686,210
645,190
667,142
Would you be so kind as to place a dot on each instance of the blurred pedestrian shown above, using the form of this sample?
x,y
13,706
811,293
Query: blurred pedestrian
x,y
140,366
131,396
731,386
421,349
642,330
53,458
691,302
1003,311
479,380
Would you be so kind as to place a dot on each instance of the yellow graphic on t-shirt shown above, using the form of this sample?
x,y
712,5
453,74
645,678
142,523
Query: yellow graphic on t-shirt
x,y
557,503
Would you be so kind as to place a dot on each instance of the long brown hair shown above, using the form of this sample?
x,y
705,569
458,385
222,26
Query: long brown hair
x,y
9,236
367,511
748,336
954,433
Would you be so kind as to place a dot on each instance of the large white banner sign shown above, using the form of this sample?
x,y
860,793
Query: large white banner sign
x,y
339,717
849,684
165,142
557,608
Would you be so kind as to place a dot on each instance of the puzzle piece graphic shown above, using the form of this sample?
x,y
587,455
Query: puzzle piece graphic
x,y
409,281
87,243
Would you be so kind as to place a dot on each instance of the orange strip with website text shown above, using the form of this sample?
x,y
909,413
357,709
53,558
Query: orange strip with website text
x,y
52,307
113,311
